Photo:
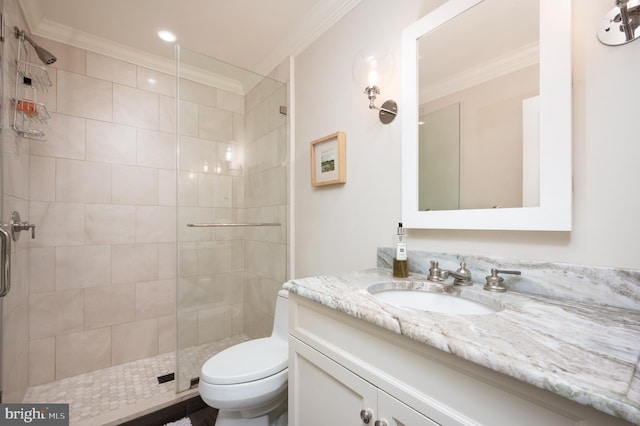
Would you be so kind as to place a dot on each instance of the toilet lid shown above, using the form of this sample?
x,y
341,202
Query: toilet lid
x,y
246,362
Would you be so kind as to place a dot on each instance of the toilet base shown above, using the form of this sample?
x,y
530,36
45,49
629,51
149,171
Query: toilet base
x,y
233,418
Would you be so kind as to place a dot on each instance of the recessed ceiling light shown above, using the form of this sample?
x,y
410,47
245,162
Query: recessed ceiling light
x,y
167,36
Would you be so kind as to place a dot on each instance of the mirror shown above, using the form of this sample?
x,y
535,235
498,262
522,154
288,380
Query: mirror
x,y
487,116
484,88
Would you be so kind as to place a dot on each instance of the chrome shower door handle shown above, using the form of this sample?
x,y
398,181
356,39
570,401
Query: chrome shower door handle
x,y
5,261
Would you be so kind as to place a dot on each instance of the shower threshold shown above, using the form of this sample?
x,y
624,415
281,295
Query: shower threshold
x,y
113,395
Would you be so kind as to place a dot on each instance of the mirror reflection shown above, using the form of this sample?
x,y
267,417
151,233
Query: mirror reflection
x,y
478,92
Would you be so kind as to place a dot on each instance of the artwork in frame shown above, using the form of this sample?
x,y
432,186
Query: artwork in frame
x,y
328,160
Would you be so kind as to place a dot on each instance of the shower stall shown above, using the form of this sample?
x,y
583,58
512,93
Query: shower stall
x,y
115,276
232,206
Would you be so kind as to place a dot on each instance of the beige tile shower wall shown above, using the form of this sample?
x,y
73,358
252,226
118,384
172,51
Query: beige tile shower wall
x,y
102,193
211,289
266,201
15,196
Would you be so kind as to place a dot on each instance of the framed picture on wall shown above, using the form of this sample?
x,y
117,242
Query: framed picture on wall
x,y
328,160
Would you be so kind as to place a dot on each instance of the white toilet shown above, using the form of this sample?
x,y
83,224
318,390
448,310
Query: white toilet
x,y
247,382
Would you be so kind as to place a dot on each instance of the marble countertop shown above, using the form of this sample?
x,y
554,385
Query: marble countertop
x,y
584,352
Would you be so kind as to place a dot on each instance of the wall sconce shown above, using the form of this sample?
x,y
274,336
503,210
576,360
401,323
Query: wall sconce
x,y
373,68
622,24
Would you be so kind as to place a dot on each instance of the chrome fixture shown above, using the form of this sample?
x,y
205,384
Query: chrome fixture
x,y
373,68
496,283
45,56
229,225
435,273
7,233
17,225
5,261
622,24
366,415
462,276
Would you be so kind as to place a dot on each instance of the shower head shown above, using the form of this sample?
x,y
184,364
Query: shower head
x,y
45,56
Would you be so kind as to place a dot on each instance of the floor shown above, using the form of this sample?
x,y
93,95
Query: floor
x,y
198,413
125,392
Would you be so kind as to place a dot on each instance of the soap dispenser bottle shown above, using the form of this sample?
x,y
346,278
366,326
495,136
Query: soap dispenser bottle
x,y
400,260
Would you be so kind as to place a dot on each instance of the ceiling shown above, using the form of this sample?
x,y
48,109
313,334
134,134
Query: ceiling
x,y
252,34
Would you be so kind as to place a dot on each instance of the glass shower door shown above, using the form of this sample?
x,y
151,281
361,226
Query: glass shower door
x,y
232,208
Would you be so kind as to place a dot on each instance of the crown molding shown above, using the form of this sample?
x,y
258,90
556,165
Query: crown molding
x,y
321,18
502,65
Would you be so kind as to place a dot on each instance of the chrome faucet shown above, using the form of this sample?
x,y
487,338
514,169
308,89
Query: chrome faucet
x,y
462,276
496,283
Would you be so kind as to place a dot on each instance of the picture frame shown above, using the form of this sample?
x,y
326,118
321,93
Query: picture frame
x,y
328,160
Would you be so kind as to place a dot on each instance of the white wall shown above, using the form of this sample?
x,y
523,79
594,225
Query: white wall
x,y
338,228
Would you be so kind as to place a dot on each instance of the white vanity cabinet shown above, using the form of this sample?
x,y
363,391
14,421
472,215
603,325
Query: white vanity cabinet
x,y
340,365
329,394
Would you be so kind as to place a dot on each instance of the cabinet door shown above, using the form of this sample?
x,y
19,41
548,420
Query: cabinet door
x,y
392,412
322,392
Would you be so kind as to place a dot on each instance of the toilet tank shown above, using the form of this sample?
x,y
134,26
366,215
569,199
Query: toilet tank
x,y
281,318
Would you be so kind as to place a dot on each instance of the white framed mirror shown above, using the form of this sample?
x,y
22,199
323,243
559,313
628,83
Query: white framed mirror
x,y
486,116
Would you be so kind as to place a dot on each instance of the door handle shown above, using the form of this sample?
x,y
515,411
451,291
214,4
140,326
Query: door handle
x,y
5,261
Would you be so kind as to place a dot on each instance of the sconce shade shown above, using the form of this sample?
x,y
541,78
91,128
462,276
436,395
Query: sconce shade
x,y
373,67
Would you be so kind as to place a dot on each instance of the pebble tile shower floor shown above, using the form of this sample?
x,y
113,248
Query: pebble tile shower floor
x,y
124,392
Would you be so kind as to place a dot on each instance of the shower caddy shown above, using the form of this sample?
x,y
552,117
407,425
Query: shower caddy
x,y
29,115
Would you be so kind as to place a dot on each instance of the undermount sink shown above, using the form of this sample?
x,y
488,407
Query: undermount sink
x,y
425,300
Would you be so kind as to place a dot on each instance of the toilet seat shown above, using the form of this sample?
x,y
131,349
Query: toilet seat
x,y
248,361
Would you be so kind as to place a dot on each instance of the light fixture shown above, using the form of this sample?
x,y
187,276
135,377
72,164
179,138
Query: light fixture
x,y
373,68
166,35
622,24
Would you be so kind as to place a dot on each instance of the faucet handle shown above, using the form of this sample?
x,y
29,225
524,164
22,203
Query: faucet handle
x,y
435,272
496,283
17,226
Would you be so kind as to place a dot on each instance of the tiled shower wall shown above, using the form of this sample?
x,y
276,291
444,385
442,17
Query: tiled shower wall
x,y
102,191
